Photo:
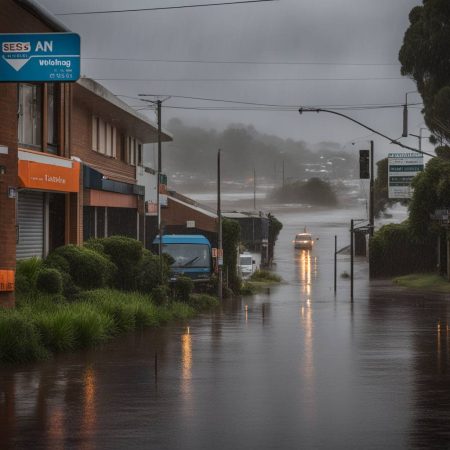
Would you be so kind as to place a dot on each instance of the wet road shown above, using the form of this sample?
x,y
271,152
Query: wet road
x,y
292,368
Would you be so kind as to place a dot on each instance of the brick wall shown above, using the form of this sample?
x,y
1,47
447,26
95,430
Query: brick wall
x,y
13,19
81,142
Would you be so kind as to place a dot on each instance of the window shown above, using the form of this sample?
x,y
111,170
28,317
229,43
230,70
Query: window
x,y
104,137
95,133
131,151
52,119
30,115
139,155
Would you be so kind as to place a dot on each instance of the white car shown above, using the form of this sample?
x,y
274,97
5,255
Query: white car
x,y
304,241
246,264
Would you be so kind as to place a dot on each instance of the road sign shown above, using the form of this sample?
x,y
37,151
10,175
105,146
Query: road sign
x,y
50,57
402,168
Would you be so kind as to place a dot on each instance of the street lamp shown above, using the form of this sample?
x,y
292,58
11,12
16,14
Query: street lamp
x,y
419,136
405,113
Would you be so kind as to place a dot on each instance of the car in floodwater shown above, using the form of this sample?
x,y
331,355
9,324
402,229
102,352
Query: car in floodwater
x,y
246,264
303,241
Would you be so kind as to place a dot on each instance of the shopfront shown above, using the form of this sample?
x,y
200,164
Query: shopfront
x,y
111,207
46,202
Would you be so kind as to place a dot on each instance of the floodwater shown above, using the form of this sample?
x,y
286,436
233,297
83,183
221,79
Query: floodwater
x,y
295,367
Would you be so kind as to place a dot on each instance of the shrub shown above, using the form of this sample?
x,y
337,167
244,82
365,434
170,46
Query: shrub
x,y
57,261
88,269
183,287
160,295
202,302
126,254
395,250
265,275
56,329
49,281
70,290
91,327
23,284
28,269
150,270
19,338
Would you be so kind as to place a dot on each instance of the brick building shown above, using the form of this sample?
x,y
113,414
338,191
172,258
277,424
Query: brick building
x,y
69,155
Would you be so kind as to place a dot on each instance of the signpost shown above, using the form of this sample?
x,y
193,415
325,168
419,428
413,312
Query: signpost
x,y
402,168
45,57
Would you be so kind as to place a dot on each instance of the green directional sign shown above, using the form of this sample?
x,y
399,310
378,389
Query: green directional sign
x,y
402,168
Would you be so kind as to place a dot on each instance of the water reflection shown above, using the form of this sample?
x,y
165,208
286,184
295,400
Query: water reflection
x,y
56,429
307,266
89,418
186,364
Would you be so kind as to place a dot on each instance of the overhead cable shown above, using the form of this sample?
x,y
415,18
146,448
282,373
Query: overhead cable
x,y
161,8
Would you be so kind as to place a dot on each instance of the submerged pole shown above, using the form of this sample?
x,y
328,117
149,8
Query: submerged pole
x,y
351,259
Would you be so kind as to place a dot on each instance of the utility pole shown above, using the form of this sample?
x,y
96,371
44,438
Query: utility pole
x,y
158,202
254,189
283,173
419,137
219,231
158,104
351,258
335,264
372,193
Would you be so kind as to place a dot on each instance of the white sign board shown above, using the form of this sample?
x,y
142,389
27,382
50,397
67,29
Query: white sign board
x,y
402,168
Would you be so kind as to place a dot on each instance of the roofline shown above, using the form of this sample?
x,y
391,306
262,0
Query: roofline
x,y
43,13
88,83
101,91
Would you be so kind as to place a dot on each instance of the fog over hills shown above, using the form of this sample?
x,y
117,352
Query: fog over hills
x,y
193,153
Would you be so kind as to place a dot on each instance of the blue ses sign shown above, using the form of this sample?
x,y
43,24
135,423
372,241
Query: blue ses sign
x,y
39,57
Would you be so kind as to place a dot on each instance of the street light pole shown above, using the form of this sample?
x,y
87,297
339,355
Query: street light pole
x,y
392,141
372,193
158,183
219,232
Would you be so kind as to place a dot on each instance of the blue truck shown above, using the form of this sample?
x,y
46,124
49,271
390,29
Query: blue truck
x,y
191,254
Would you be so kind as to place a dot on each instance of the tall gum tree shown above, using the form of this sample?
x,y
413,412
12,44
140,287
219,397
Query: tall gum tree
x,y
425,57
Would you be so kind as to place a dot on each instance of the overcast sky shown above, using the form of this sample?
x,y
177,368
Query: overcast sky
x,y
350,38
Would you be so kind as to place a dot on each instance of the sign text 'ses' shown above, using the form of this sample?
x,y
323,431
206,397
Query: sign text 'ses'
x,y
49,57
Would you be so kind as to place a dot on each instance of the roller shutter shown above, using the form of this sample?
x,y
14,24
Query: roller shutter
x,y
30,217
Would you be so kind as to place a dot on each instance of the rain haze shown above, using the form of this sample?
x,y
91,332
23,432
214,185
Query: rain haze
x,y
286,52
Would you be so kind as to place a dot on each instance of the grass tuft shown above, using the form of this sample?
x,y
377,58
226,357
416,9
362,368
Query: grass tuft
x,y
265,275
19,338
424,281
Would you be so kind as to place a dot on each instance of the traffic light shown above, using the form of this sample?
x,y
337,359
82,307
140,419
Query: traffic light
x,y
364,164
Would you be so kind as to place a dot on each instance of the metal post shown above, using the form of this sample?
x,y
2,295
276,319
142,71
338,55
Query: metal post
x,y
439,254
351,259
448,254
219,224
254,188
335,264
372,193
158,104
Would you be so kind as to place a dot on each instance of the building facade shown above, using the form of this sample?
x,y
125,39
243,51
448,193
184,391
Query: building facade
x,y
69,157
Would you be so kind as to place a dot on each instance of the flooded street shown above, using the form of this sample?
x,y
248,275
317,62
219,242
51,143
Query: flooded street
x,y
293,367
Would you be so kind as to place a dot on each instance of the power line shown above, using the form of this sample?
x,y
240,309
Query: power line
x,y
222,80
240,102
161,8
210,61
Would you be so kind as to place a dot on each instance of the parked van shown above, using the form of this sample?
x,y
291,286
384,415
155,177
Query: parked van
x,y
191,254
246,264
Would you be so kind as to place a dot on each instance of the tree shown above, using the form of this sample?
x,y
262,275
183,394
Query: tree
x,y
231,232
381,188
431,192
425,57
313,191
275,227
